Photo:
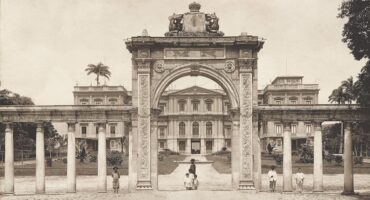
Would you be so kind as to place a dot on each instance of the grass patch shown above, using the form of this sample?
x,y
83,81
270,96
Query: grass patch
x,y
167,164
221,163
59,168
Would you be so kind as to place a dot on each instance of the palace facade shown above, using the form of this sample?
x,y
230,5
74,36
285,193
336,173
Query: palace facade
x,y
196,120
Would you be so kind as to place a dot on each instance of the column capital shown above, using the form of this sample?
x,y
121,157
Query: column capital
x,y
8,124
287,125
71,126
317,125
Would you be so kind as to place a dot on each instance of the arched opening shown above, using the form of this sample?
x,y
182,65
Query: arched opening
x,y
196,118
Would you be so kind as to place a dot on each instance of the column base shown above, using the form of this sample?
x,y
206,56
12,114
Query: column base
x,y
348,193
144,185
247,185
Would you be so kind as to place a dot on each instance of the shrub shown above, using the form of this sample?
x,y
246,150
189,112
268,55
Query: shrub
x,y
358,160
224,148
306,154
338,160
329,158
160,157
114,158
64,160
49,162
92,158
168,152
278,158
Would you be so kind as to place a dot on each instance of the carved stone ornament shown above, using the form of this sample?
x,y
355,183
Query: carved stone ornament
x,y
159,66
229,66
247,65
144,53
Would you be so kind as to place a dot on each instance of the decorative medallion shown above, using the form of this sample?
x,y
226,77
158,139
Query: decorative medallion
x,y
230,66
159,66
143,53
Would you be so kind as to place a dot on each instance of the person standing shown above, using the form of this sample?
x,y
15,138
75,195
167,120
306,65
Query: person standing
x,y
195,182
272,178
193,168
299,177
115,176
188,182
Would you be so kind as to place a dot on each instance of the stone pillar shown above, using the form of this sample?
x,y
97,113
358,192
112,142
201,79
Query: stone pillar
x,y
246,126
40,159
348,160
235,154
102,158
143,127
287,159
71,158
317,163
9,160
188,146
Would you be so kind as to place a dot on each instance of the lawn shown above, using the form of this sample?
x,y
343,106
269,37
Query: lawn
x,y
59,168
167,164
222,164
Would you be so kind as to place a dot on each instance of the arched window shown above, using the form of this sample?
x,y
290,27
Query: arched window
x,y
209,129
196,129
182,129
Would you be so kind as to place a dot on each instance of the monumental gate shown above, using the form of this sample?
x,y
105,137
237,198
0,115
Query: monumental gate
x,y
194,47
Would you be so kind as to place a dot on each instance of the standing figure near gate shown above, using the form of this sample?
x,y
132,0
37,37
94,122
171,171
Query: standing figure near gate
x,y
272,178
299,177
193,167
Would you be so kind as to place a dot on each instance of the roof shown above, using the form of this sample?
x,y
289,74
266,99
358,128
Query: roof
x,y
286,77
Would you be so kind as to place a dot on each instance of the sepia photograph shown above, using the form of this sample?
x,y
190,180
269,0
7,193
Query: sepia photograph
x,y
184,99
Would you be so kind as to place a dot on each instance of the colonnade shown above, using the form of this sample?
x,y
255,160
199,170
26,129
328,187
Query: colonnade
x,y
318,185
40,159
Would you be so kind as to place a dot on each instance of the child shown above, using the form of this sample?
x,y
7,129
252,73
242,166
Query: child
x,y
299,177
272,178
188,182
115,176
195,183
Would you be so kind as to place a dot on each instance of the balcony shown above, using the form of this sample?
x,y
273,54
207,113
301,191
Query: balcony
x,y
293,87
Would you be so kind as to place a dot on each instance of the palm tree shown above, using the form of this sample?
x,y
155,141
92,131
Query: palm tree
x,y
338,95
99,70
350,89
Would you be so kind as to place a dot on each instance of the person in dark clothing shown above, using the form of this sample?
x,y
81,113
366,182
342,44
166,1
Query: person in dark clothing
x,y
269,148
193,167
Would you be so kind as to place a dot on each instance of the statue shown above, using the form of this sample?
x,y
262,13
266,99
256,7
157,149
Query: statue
x,y
175,23
212,23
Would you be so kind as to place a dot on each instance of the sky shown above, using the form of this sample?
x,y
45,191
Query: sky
x,y
45,45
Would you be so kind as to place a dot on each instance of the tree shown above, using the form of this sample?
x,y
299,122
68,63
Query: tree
x,y
363,85
24,133
99,70
338,96
356,32
350,90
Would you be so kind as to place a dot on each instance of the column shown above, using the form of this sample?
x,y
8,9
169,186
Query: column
x,y
348,160
40,159
188,146
235,154
317,162
9,160
71,158
102,159
202,146
287,159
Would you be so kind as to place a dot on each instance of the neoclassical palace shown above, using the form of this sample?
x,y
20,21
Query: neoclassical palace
x,y
195,120
193,46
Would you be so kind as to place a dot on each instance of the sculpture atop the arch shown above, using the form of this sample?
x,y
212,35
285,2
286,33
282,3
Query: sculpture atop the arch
x,y
194,23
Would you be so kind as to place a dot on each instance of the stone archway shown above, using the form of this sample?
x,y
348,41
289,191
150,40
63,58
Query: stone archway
x,y
194,69
157,61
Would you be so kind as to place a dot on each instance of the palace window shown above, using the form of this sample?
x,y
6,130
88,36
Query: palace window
x,y
98,101
113,144
161,132
294,128
227,106
112,101
279,100
162,107
308,128
161,145
84,101
209,103
112,129
308,100
227,132
209,129
83,130
278,129
182,129
195,104
182,105
196,129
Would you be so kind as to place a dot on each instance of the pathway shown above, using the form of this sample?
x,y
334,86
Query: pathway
x,y
209,178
